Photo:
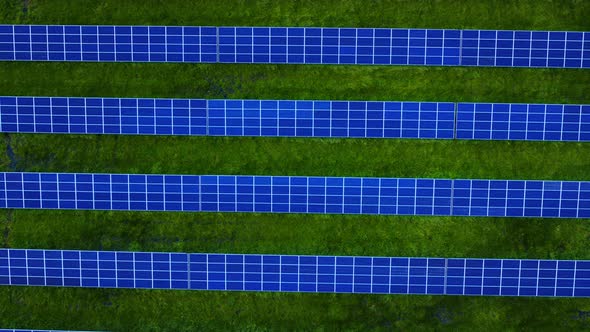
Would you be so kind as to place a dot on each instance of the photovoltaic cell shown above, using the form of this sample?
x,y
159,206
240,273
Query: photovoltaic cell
x,y
289,273
227,117
296,194
295,45
538,122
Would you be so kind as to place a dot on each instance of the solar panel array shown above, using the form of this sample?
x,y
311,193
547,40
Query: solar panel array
x,y
284,194
555,49
290,118
541,122
150,116
286,273
296,194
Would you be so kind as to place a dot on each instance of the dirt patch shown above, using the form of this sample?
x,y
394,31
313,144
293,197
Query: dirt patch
x,y
444,315
7,225
10,153
583,315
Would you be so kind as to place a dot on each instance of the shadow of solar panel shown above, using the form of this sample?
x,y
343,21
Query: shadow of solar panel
x,y
287,273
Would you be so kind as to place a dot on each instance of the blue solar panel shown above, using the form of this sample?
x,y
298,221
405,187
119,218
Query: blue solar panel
x,y
108,43
521,198
291,118
539,122
148,116
555,49
283,194
339,46
286,273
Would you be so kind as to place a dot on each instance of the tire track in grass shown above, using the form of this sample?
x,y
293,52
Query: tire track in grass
x,y
12,166
6,233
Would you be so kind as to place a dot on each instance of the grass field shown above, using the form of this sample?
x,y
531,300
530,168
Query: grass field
x,y
119,310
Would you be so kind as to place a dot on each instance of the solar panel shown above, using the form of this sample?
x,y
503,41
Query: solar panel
x,y
295,194
521,198
554,49
539,122
289,273
295,45
227,117
295,118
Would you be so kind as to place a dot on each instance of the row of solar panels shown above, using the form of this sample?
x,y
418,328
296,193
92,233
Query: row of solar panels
x,y
302,118
556,49
287,273
282,194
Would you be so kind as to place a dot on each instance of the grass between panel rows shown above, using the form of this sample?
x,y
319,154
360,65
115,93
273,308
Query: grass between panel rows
x,y
302,234
490,14
166,80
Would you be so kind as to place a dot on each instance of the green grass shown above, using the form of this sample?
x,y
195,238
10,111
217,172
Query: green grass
x,y
302,234
296,82
94,309
494,14
193,311
285,156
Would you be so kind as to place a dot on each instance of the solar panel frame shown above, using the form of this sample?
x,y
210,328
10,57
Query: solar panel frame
x,y
296,45
295,273
295,194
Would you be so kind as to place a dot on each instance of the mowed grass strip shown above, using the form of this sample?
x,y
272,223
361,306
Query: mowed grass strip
x,y
329,82
141,310
302,234
299,156
490,14
95,309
